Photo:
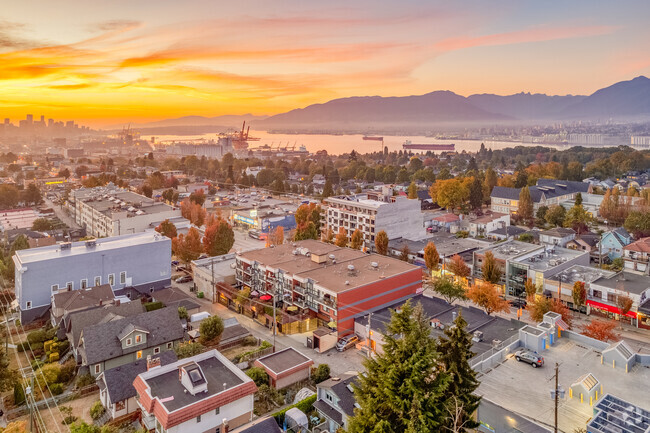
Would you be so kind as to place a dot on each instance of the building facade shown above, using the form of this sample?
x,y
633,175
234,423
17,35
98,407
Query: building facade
x,y
636,256
140,260
547,192
401,218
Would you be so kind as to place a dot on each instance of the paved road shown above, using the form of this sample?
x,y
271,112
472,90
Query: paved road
x,y
61,214
350,360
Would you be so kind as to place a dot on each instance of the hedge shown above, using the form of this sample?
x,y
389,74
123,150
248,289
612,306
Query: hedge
x,y
306,405
151,306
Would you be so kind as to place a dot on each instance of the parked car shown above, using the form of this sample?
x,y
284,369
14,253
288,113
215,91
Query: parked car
x,y
532,358
518,303
346,342
185,279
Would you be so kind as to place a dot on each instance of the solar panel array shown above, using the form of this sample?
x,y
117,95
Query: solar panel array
x,y
618,416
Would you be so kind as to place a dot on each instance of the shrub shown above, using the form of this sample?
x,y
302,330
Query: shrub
x,y
63,346
321,373
462,234
49,374
200,295
47,346
67,372
249,341
85,380
182,313
54,357
185,350
151,306
211,329
97,410
19,394
306,406
56,388
37,336
258,375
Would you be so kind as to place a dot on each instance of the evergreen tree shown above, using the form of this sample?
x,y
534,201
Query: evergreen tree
x,y
328,191
476,193
455,355
525,210
490,182
402,389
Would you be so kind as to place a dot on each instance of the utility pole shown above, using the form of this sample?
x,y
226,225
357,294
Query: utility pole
x,y
557,393
275,320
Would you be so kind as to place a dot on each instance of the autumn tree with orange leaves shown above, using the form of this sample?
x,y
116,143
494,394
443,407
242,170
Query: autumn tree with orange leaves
x,y
602,330
341,238
276,237
487,297
193,212
458,267
219,236
167,228
188,247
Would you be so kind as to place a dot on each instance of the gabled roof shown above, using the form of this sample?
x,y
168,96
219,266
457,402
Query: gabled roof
x,y
558,232
343,390
129,329
101,342
264,425
76,321
447,218
545,187
640,246
84,298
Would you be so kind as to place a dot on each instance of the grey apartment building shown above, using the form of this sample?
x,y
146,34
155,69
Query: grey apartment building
x,y
141,260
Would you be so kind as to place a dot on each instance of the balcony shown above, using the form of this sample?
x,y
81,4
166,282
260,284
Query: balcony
x,y
330,302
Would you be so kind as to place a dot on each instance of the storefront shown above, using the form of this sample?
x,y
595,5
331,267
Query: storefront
x,y
611,312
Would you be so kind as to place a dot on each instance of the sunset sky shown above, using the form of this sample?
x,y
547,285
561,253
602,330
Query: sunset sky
x,y
104,62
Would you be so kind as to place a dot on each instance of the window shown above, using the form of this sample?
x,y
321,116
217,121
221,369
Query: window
x,y
170,345
122,277
55,287
156,350
98,368
329,397
129,341
98,281
111,279
69,285
138,338
84,284
216,411
28,305
611,297
138,354
198,418
598,294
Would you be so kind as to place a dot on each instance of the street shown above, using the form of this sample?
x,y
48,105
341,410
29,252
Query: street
x,y
243,242
61,213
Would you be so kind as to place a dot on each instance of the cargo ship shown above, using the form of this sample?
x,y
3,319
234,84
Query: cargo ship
x,y
435,147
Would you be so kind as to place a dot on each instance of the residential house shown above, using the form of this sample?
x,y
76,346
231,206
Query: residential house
x,y
586,242
636,256
590,202
546,192
481,226
559,236
76,300
141,260
266,424
202,393
505,233
122,341
448,222
173,297
285,367
613,242
335,400
116,391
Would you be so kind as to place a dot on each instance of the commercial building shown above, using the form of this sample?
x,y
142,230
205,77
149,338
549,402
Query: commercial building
x,y
332,284
547,192
562,282
604,292
203,393
636,256
613,414
110,211
399,217
141,260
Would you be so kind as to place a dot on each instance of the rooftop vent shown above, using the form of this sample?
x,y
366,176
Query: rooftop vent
x,y
374,264
332,256
350,268
91,243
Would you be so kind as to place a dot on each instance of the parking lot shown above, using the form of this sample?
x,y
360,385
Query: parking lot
x,y
525,390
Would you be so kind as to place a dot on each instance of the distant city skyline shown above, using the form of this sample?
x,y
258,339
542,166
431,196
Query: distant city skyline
x,y
106,63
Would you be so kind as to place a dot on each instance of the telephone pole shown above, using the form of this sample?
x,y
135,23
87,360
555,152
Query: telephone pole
x,y
557,393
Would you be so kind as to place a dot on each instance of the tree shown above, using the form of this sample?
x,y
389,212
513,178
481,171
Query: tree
x,y
219,236
328,236
20,243
8,376
450,193
402,389
413,191
167,228
602,330
193,212
259,376
381,243
487,297
308,218
556,215
321,373
458,267
491,269
540,216
475,193
578,200
404,253
211,329
185,350
624,304
328,191
32,195
455,352
182,313
638,223
530,288
341,238
525,209
276,237
579,294
431,257
169,195
147,191
449,290
64,173
356,240
577,218
490,182
42,225
198,197
188,247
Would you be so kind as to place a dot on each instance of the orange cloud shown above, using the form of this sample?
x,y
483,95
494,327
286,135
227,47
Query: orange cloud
x,y
523,36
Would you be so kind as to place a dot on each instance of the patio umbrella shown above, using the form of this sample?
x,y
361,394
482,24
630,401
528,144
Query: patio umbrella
x,y
255,293
292,308
266,297
332,324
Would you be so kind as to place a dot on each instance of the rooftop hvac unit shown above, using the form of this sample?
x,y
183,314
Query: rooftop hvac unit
x,y
295,252
332,257
350,268
374,264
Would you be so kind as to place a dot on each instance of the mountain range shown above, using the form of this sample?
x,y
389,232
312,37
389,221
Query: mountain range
x,y
625,100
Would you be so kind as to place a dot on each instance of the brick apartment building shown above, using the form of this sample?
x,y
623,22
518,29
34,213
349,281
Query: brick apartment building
x,y
333,284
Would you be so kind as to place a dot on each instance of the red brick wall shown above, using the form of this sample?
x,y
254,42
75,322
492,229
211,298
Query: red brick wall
x,y
373,296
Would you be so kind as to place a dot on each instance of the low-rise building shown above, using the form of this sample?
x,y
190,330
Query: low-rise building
x,y
203,393
141,260
481,226
613,242
547,192
604,292
335,400
77,300
612,414
126,340
636,256
559,236
562,282
212,270
285,367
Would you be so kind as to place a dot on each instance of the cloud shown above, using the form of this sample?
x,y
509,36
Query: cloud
x,y
70,86
523,36
112,25
10,38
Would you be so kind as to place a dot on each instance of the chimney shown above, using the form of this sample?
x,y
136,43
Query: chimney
x,y
225,426
153,362
117,302
101,302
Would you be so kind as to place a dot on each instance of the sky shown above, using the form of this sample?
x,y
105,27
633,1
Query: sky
x,y
101,63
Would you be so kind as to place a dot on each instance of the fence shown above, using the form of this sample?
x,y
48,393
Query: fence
x,y
487,360
62,398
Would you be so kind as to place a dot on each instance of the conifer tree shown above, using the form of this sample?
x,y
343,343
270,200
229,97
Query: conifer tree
x,y
402,389
455,355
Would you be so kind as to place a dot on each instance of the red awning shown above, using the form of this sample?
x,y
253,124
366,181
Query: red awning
x,y
610,308
266,297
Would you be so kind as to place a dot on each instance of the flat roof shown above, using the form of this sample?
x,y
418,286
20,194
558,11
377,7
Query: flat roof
x,y
79,248
163,382
283,360
625,281
503,385
550,258
510,249
586,274
617,415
